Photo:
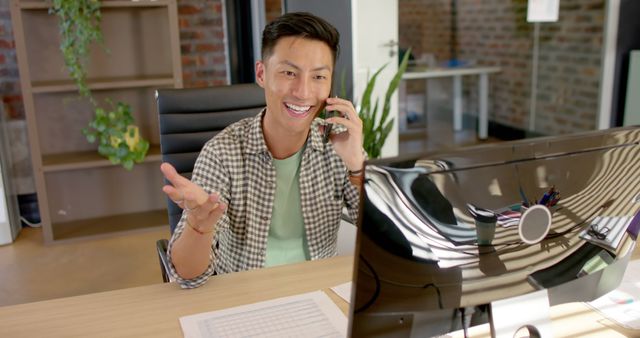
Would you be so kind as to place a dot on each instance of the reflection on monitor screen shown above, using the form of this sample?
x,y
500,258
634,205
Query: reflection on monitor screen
x,y
443,236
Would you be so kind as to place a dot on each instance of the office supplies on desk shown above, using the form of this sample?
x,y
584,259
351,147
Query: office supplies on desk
x,y
550,198
534,224
606,232
344,291
546,198
311,314
509,215
525,201
596,263
485,221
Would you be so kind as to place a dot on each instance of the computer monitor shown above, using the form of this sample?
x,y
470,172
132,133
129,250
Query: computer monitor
x,y
418,261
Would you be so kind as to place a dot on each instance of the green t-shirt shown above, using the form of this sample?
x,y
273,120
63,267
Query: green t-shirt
x,y
287,242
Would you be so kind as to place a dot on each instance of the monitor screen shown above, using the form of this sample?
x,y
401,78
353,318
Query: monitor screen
x,y
459,230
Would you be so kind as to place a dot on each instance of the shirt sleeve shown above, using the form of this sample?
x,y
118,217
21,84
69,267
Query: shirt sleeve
x,y
209,173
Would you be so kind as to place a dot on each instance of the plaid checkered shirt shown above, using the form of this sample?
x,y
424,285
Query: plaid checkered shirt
x,y
237,164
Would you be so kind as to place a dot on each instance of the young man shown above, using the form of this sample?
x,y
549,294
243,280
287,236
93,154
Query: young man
x,y
268,190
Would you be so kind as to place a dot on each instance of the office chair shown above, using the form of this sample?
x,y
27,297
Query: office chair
x,y
190,117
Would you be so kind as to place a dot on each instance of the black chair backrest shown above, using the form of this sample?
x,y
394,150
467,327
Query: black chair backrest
x,y
190,117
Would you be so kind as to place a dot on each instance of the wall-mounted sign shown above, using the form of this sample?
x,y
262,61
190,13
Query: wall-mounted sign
x,y
543,10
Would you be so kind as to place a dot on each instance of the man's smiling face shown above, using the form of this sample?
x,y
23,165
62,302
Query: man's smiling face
x,y
296,78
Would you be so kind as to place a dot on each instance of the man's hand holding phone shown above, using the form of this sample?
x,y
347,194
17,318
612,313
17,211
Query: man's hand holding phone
x,y
348,145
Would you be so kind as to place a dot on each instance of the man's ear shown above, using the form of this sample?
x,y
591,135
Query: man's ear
x,y
260,73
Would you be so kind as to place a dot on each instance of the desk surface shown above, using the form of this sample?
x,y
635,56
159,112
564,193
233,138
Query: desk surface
x,y
153,311
569,320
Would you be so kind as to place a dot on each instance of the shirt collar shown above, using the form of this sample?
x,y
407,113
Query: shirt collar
x,y
256,142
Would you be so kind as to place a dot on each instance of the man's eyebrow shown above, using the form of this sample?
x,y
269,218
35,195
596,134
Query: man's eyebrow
x,y
291,64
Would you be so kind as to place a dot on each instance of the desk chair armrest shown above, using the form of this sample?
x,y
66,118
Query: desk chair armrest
x,y
161,247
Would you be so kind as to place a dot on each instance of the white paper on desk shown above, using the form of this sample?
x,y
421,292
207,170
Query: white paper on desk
x,y
344,291
306,315
617,227
622,305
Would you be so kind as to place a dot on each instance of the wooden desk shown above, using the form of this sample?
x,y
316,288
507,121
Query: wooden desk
x,y
457,74
569,320
153,311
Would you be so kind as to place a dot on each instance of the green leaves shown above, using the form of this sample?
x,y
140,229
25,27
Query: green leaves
x,y
114,129
376,131
79,23
118,138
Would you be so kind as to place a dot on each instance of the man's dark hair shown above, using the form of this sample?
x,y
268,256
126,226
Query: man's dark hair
x,y
301,24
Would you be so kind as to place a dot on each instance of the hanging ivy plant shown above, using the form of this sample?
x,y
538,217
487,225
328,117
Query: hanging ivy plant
x,y
114,128
79,23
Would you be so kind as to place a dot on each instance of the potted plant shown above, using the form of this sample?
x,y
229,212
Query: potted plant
x,y
376,130
118,137
114,128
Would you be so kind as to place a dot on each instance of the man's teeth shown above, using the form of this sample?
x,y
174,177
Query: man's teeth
x,y
298,109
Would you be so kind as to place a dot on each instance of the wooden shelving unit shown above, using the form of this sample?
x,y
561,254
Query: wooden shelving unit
x,y
87,159
80,193
57,86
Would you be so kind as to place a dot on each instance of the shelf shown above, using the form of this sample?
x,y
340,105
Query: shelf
x,y
42,87
88,159
105,4
111,225
80,193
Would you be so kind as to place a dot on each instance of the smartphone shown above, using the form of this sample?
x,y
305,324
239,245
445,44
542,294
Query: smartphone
x,y
329,126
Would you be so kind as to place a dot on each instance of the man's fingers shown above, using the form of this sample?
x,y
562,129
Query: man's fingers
x,y
174,194
349,124
202,211
172,175
215,214
193,199
343,106
207,215
352,123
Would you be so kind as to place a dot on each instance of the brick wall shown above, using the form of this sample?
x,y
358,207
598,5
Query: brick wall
x,y
202,43
201,40
495,32
570,66
9,79
499,36
492,32
425,26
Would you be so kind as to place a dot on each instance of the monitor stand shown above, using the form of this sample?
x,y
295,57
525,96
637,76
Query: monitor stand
x,y
529,312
